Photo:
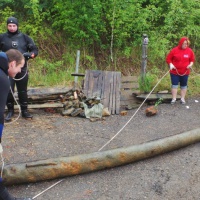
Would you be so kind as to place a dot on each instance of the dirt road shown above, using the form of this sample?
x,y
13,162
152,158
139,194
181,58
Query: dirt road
x,y
175,175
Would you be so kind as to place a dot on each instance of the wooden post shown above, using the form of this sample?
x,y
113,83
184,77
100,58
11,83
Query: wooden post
x,y
144,55
77,67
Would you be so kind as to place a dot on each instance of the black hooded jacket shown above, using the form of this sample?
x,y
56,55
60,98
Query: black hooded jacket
x,y
4,86
19,41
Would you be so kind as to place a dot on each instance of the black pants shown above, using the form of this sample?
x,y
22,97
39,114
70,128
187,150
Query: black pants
x,y
21,89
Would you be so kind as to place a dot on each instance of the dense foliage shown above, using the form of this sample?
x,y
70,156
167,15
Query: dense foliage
x,y
108,32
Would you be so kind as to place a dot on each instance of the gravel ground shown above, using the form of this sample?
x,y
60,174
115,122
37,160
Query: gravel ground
x,y
169,176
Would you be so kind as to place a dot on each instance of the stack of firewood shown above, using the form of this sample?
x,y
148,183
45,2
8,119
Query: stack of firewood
x,y
73,104
68,101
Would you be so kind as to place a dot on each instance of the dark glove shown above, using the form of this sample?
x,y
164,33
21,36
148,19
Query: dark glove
x,y
28,55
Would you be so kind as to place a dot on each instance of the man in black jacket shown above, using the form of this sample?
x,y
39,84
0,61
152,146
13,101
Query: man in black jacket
x,y
14,39
11,63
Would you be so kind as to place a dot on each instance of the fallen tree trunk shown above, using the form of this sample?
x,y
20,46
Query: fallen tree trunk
x,y
68,166
44,95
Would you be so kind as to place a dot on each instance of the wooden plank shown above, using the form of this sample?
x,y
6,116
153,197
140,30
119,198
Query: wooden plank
x,y
128,102
106,85
86,83
126,95
90,85
129,85
100,84
97,76
114,93
103,87
110,91
45,105
77,74
157,96
118,85
106,91
47,91
129,78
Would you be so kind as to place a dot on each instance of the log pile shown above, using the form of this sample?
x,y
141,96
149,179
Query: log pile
x,y
69,101
75,104
72,103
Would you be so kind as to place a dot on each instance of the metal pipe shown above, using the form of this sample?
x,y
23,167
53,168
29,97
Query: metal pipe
x,y
68,166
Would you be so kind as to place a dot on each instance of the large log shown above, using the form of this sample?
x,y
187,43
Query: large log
x,y
68,166
37,95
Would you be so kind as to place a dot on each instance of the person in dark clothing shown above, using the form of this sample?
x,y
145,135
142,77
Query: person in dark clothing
x,y
14,39
11,63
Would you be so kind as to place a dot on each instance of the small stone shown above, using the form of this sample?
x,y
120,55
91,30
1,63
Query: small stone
x,y
123,113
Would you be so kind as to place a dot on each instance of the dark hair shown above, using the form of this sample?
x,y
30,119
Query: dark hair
x,y
14,55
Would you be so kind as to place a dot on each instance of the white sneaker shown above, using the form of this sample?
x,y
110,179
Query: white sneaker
x,y
173,101
182,101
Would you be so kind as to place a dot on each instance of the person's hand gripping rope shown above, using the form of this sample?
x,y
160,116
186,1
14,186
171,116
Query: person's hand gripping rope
x,y
190,65
171,66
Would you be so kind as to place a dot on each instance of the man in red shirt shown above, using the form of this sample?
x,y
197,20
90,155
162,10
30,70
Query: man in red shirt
x,y
180,59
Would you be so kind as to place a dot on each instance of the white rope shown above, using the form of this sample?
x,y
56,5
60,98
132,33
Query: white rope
x,y
18,108
19,79
2,160
181,74
133,114
47,189
186,72
195,72
113,136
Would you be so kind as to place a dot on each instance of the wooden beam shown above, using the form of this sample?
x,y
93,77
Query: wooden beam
x,y
44,105
67,166
77,74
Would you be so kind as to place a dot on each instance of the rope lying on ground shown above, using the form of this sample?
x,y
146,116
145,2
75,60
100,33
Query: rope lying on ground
x,y
113,136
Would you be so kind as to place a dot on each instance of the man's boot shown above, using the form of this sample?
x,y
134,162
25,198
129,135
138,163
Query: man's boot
x,y
4,194
10,113
26,114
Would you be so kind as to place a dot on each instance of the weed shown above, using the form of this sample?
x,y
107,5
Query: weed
x,y
146,82
158,102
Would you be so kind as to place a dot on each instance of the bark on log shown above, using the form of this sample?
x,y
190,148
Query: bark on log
x,y
68,166
37,95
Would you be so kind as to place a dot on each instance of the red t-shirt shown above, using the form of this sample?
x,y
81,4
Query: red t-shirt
x,y
180,58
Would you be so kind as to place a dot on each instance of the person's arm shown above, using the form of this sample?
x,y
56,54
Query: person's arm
x,y
191,60
32,49
190,65
4,88
1,42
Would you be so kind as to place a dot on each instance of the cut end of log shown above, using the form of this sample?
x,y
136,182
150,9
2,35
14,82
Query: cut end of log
x,y
151,111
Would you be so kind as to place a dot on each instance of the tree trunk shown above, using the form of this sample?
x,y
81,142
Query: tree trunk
x,y
68,166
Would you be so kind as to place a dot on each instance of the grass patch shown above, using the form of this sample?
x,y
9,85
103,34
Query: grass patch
x,y
47,74
44,73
